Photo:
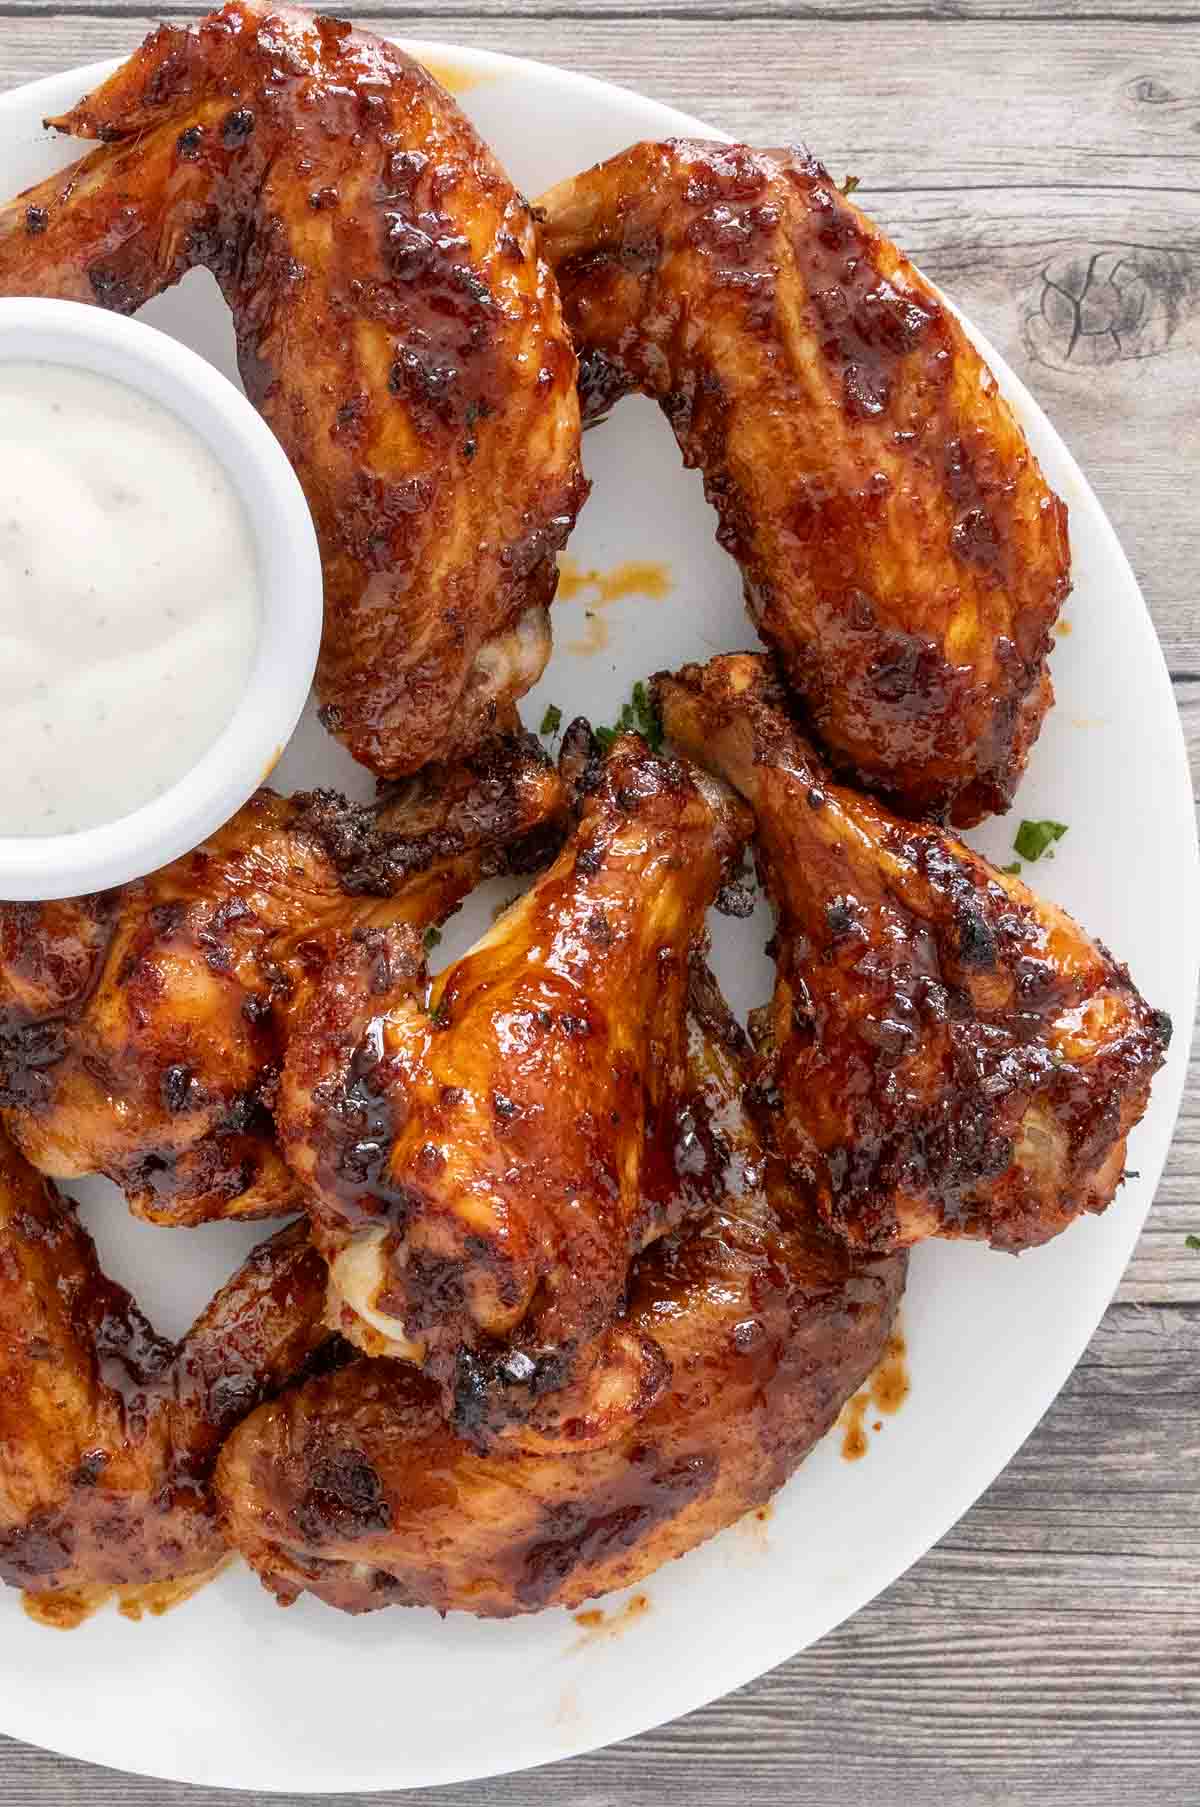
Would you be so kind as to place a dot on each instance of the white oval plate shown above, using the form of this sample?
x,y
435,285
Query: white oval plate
x,y
228,1690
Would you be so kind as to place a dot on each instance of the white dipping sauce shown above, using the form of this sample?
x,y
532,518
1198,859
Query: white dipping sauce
x,y
129,599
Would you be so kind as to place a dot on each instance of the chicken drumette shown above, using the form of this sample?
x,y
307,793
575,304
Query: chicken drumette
x,y
898,543
486,1158
355,1488
396,326
142,1031
108,1433
945,1053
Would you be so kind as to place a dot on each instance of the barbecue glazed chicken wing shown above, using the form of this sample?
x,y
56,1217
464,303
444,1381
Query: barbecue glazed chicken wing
x,y
355,1488
899,546
108,1433
945,1054
486,1159
396,327
142,1031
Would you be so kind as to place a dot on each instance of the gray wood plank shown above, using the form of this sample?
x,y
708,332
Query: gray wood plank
x,y
1163,1266
947,15
887,93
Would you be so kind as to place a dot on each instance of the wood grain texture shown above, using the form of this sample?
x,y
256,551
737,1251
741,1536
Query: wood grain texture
x,y
946,14
1041,158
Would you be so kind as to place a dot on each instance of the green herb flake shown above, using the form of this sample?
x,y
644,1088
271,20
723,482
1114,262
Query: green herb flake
x,y
552,720
1033,839
638,714
647,717
1013,869
440,1014
1192,1242
849,185
432,937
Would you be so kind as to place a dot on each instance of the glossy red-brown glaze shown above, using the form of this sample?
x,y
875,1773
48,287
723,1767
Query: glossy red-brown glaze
x,y
899,545
396,326
945,1053
142,1033
108,1433
505,1145
354,1488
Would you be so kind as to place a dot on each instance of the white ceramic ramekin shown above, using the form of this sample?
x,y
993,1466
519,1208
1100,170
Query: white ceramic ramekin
x,y
289,567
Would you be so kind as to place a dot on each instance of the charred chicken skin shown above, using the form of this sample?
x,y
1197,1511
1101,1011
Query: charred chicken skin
x,y
899,546
396,327
142,1031
946,1054
586,1273
355,1488
109,1433
486,1157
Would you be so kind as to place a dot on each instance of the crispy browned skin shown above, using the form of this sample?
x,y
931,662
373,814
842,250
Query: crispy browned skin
x,y
355,1489
396,326
946,1053
485,1160
108,1433
141,1033
898,543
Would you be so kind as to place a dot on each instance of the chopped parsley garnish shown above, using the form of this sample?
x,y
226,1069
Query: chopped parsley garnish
x,y
552,720
432,937
639,714
1034,838
1192,1242
647,717
849,185
1014,868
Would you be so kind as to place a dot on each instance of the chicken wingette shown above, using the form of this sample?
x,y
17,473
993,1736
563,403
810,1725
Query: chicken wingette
x,y
899,546
396,326
945,1054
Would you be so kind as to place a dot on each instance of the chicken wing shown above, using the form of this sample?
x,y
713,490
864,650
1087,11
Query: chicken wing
x,y
945,1053
899,546
108,1433
485,1160
142,1032
354,1487
396,327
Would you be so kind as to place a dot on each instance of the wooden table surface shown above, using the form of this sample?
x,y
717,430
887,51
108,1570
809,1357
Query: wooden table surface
x,y
1042,161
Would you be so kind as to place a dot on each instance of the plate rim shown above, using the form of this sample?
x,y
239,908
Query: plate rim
x,y
672,1697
